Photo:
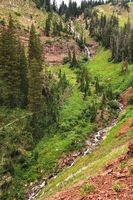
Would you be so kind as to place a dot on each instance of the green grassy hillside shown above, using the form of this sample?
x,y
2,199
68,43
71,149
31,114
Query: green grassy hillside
x,y
111,147
91,165
110,73
122,14
23,12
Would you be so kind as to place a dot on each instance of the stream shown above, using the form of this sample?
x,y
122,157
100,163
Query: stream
x,y
92,143
77,37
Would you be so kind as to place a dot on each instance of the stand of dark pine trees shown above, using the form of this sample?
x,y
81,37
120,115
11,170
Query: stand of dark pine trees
x,y
23,83
108,32
70,10
13,69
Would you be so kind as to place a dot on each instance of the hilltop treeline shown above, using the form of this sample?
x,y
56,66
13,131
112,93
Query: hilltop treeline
x,y
70,10
112,36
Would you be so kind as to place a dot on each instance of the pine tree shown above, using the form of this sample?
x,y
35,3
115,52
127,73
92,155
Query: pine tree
x,y
131,46
97,86
2,70
69,55
74,62
9,66
84,81
102,106
35,81
48,26
55,28
23,77
48,5
54,6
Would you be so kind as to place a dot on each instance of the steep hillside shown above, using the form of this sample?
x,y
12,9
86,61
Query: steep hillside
x,y
122,13
24,13
105,181
114,146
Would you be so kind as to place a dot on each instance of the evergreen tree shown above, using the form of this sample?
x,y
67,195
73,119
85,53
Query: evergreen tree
x,y
55,28
69,55
9,66
74,62
84,81
48,25
23,77
48,5
102,106
97,86
35,81
131,47
54,6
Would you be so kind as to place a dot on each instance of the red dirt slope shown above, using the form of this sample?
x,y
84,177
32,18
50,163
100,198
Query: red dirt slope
x,y
115,182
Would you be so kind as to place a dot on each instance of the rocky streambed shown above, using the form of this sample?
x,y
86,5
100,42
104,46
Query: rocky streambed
x,y
68,161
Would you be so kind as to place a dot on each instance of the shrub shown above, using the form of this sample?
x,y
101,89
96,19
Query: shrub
x,y
18,14
2,22
130,100
8,167
87,188
117,186
66,60
49,42
35,155
113,104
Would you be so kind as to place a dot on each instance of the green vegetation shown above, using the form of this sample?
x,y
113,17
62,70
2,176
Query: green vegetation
x,y
48,112
23,13
87,188
123,14
117,187
90,165
110,73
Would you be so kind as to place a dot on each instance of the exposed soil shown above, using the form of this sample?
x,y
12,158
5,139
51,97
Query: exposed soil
x,y
118,173
125,96
127,126
56,49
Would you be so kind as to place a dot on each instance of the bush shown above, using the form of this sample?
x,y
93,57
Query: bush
x,y
85,59
49,42
113,104
66,60
35,155
8,167
130,100
117,186
18,14
87,188
2,22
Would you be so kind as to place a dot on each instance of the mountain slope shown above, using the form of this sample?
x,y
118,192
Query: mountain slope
x,y
114,146
23,12
69,152
123,14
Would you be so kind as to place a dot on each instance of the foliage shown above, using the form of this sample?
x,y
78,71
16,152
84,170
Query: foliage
x,y
87,188
13,69
117,186
112,36
111,148
130,100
